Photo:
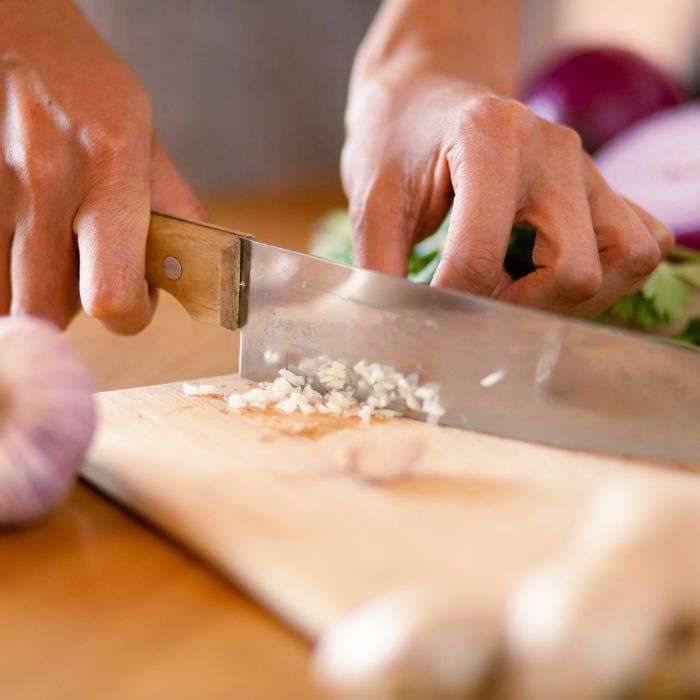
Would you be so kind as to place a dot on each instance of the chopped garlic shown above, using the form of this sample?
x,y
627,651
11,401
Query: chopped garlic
x,y
198,389
426,392
334,375
288,405
321,385
257,397
236,401
306,408
493,378
412,402
293,379
311,394
281,387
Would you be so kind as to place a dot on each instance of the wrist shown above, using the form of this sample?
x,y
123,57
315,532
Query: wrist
x,y
419,59
417,73
472,42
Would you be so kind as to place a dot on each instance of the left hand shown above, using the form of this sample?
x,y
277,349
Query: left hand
x,y
420,141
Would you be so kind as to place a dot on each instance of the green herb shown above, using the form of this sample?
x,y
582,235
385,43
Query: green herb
x,y
664,299
333,240
668,296
691,333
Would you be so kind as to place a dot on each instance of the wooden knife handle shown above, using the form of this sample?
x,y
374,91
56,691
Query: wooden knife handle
x,y
201,265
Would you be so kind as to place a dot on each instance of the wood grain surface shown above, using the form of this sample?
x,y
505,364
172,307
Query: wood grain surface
x,y
95,604
316,515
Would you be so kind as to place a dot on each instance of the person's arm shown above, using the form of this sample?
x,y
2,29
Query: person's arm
x,y
80,169
430,125
470,41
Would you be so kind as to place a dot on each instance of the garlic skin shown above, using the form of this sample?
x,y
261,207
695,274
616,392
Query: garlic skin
x,y
47,418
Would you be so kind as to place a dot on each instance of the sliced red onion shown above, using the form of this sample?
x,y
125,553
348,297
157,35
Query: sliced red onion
x,y
601,91
47,418
656,164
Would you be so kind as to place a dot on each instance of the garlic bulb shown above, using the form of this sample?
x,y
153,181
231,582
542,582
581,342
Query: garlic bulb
x,y
47,418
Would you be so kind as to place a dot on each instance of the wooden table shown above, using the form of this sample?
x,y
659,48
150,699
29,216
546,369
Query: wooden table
x,y
94,603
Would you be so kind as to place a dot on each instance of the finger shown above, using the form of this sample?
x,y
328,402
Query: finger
x,y
111,227
661,233
38,261
482,217
568,270
170,194
383,228
43,267
629,252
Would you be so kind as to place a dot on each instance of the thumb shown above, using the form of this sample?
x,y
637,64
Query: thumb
x,y
170,194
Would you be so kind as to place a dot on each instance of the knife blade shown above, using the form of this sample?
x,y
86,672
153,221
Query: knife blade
x,y
502,369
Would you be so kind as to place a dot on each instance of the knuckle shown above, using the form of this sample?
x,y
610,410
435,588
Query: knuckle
x,y
477,270
577,282
498,116
109,300
640,256
664,237
46,169
564,137
102,141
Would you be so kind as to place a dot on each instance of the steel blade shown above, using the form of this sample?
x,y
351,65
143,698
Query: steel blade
x,y
502,369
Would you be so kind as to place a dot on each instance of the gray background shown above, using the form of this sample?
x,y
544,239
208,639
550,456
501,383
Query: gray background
x,y
247,93
250,93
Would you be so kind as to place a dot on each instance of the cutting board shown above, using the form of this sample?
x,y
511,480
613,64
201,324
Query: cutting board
x,y
314,516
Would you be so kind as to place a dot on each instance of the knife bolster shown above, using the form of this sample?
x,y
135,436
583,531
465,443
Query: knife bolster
x,y
203,267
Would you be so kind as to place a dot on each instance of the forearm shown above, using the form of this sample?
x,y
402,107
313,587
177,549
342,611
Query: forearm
x,y
26,23
473,40
55,40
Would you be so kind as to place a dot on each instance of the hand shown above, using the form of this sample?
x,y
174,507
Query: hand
x,y
80,170
419,142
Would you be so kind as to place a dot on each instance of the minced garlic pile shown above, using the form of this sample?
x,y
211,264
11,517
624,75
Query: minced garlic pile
x,y
332,387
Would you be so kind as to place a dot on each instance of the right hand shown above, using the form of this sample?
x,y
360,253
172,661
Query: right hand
x,y
80,170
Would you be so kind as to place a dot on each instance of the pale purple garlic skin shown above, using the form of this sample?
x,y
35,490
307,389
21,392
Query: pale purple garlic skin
x,y
47,418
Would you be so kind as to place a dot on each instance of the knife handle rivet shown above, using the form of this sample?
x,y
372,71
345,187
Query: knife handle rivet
x,y
172,268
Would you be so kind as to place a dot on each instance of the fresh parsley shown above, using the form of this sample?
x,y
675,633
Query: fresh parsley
x,y
665,298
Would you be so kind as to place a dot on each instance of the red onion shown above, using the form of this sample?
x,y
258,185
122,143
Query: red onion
x,y
47,418
656,164
601,91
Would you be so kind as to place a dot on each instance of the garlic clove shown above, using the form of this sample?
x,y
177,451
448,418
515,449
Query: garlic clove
x,y
47,418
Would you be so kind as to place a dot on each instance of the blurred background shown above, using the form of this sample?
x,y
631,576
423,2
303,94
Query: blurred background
x,y
250,94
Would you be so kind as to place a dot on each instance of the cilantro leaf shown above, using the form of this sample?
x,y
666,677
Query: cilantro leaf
x,y
664,298
667,293
689,272
691,333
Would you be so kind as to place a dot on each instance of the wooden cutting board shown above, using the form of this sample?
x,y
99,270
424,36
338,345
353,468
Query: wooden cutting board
x,y
316,515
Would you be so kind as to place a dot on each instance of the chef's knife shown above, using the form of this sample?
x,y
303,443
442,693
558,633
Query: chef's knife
x,y
502,369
